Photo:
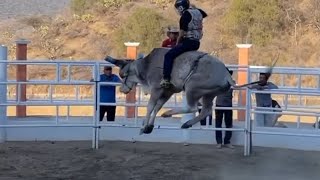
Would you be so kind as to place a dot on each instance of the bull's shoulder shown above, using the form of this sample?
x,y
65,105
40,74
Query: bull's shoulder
x,y
159,50
156,54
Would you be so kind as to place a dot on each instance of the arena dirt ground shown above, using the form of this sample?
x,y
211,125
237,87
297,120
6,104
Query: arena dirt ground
x,y
152,161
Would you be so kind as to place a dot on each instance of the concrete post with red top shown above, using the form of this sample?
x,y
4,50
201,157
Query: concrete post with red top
x,y
21,75
132,52
242,77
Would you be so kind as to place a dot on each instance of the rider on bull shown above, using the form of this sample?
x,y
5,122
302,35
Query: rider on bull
x,y
189,36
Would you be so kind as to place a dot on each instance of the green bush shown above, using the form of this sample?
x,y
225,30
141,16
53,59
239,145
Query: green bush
x,y
80,7
113,3
87,18
162,3
253,20
144,26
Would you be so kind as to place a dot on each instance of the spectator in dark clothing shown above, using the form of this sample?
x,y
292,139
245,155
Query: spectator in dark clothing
x,y
108,94
203,121
224,100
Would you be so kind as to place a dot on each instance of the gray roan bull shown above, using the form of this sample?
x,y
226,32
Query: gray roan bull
x,y
200,75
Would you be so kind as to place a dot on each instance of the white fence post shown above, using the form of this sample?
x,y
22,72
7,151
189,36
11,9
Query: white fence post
x,y
248,125
96,78
185,118
3,92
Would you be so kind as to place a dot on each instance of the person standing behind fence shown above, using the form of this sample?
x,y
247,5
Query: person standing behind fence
x,y
171,41
203,122
265,101
224,100
108,94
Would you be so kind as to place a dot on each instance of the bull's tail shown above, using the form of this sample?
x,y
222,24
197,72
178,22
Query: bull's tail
x,y
245,85
233,84
268,73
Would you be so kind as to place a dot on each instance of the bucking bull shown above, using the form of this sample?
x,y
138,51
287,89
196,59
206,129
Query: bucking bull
x,y
200,75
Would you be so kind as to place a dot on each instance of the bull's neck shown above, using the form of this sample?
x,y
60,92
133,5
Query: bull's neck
x,y
139,70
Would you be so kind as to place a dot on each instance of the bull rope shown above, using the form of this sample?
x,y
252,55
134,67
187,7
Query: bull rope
x,y
193,69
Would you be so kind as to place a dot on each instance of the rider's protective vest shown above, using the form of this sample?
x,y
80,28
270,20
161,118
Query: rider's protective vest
x,y
195,25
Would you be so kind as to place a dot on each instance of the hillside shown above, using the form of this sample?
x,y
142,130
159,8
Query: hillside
x,y
17,8
57,33
75,35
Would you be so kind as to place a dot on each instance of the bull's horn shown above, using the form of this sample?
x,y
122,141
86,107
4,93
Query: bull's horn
x,y
110,60
118,62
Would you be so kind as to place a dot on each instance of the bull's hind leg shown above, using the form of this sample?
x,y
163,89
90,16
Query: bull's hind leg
x,y
192,101
207,102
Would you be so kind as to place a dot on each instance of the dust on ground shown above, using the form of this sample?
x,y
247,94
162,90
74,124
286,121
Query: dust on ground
x,y
152,161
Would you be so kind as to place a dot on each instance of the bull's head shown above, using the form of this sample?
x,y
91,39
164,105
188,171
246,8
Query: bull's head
x,y
127,73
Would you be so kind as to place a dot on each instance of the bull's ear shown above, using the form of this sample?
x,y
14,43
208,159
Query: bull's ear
x,y
117,62
140,56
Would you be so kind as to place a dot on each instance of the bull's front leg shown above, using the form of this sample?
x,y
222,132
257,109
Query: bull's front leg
x,y
155,94
161,101
150,108
157,102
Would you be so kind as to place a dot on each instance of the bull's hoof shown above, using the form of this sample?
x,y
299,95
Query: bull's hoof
x,y
148,129
165,115
186,126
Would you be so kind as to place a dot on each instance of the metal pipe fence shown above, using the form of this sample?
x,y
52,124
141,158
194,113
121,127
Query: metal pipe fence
x,y
175,101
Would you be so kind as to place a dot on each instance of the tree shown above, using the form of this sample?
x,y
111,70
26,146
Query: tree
x,y
145,26
315,10
295,18
253,20
48,41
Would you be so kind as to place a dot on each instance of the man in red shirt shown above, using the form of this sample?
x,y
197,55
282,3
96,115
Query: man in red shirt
x,y
172,34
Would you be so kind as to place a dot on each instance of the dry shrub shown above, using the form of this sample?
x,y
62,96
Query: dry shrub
x,y
34,21
101,45
145,26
